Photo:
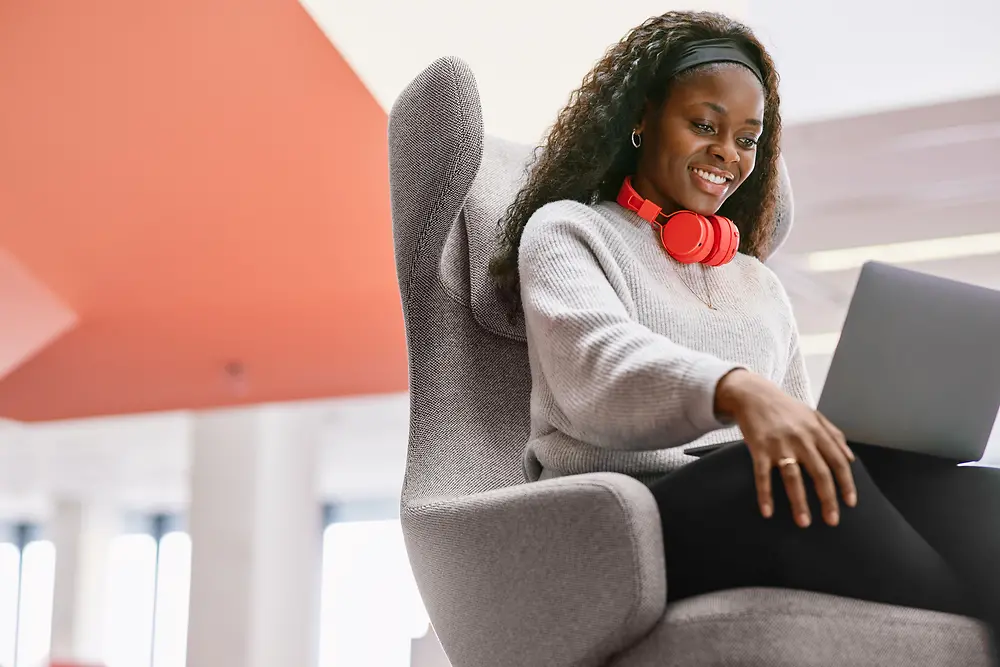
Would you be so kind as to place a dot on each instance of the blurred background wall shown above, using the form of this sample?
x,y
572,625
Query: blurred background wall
x,y
202,362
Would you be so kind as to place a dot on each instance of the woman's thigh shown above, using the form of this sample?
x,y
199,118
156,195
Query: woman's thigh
x,y
956,510
715,538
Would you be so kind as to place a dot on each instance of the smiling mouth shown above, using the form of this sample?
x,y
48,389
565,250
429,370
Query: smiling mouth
x,y
710,177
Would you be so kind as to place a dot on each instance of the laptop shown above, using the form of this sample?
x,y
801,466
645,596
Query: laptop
x,y
917,367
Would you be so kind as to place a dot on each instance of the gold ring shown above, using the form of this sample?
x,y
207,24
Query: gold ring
x,y
787,462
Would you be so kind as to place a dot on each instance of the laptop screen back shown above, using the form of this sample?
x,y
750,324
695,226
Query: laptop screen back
x,y
917,366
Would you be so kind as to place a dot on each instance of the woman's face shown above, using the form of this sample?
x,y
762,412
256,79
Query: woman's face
x,y
700,144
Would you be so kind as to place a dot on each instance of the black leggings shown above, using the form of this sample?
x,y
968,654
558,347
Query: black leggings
x,y
925,533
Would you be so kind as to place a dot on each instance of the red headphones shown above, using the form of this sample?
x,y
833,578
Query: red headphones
x,y
689,237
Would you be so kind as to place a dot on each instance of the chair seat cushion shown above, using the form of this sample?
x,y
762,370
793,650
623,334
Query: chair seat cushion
x,y
758,627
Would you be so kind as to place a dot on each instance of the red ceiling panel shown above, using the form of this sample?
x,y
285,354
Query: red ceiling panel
x,y
202,182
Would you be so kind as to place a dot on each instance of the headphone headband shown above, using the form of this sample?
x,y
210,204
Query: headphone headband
x,y
644,208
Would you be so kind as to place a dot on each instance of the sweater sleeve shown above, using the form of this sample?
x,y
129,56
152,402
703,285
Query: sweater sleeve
x,y
618,384
796,381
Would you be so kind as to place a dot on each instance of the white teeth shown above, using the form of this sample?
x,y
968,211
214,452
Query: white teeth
x,y
710,177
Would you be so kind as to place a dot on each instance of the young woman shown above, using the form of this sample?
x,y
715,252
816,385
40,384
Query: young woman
x,y
648,334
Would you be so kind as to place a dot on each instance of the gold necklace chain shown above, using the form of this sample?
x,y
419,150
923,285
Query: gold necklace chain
x,y
704,277
708,291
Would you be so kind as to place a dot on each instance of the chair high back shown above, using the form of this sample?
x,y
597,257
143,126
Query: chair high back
x,y
469,377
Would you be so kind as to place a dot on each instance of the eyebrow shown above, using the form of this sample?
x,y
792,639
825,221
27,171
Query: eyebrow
x,y
719,109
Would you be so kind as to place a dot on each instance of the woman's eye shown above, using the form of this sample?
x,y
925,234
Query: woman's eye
x,y
703,127
747,142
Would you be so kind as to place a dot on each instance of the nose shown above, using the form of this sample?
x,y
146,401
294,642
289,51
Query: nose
x,y
726,152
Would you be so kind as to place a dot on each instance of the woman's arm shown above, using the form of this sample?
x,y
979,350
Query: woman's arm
x,y
618,384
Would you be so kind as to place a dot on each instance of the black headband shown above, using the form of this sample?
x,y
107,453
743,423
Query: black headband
x,y
722,50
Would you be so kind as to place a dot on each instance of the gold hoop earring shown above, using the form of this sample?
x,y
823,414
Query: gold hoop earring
x,y
636,139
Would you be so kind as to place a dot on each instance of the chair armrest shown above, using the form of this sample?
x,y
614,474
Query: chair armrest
x,y
562,573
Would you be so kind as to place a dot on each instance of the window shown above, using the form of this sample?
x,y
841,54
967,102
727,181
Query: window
x,y
370,608
173,590
38,573
10,575
148,592
128,629
27,577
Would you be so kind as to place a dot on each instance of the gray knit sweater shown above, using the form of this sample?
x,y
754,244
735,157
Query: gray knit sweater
x,y
625,352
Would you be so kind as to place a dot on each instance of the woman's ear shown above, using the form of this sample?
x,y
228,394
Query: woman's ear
x,y
647,108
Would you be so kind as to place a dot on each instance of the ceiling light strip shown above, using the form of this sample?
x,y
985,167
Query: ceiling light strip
x,y
953,247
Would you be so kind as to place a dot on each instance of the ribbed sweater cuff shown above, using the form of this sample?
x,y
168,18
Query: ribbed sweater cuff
x,y
704,378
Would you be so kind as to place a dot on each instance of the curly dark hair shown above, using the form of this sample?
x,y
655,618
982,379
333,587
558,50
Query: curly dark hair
x,y
587,153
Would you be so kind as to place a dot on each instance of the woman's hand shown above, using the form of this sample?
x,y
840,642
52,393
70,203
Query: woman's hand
x,y
782,431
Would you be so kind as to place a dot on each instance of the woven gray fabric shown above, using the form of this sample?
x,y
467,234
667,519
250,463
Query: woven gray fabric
x,y
785,215
435,151
463,503
561,573
472,241
780,628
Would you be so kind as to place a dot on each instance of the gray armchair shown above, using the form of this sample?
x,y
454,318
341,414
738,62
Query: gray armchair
x,y
566,572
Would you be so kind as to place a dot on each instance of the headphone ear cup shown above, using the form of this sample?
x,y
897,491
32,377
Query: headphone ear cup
x,y
727,243
688,237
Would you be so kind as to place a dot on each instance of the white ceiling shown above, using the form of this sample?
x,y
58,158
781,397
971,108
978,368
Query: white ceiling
x,y
837,58
847,57
527,54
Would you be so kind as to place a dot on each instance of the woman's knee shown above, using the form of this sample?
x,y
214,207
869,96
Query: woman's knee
x,y
861,475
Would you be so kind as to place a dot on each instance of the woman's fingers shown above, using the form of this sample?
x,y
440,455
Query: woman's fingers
x,y
791,474
799,440
839,463
837,435
814,458
762,474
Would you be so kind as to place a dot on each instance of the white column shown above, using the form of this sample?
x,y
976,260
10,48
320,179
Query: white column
x,y
255,527
82,534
